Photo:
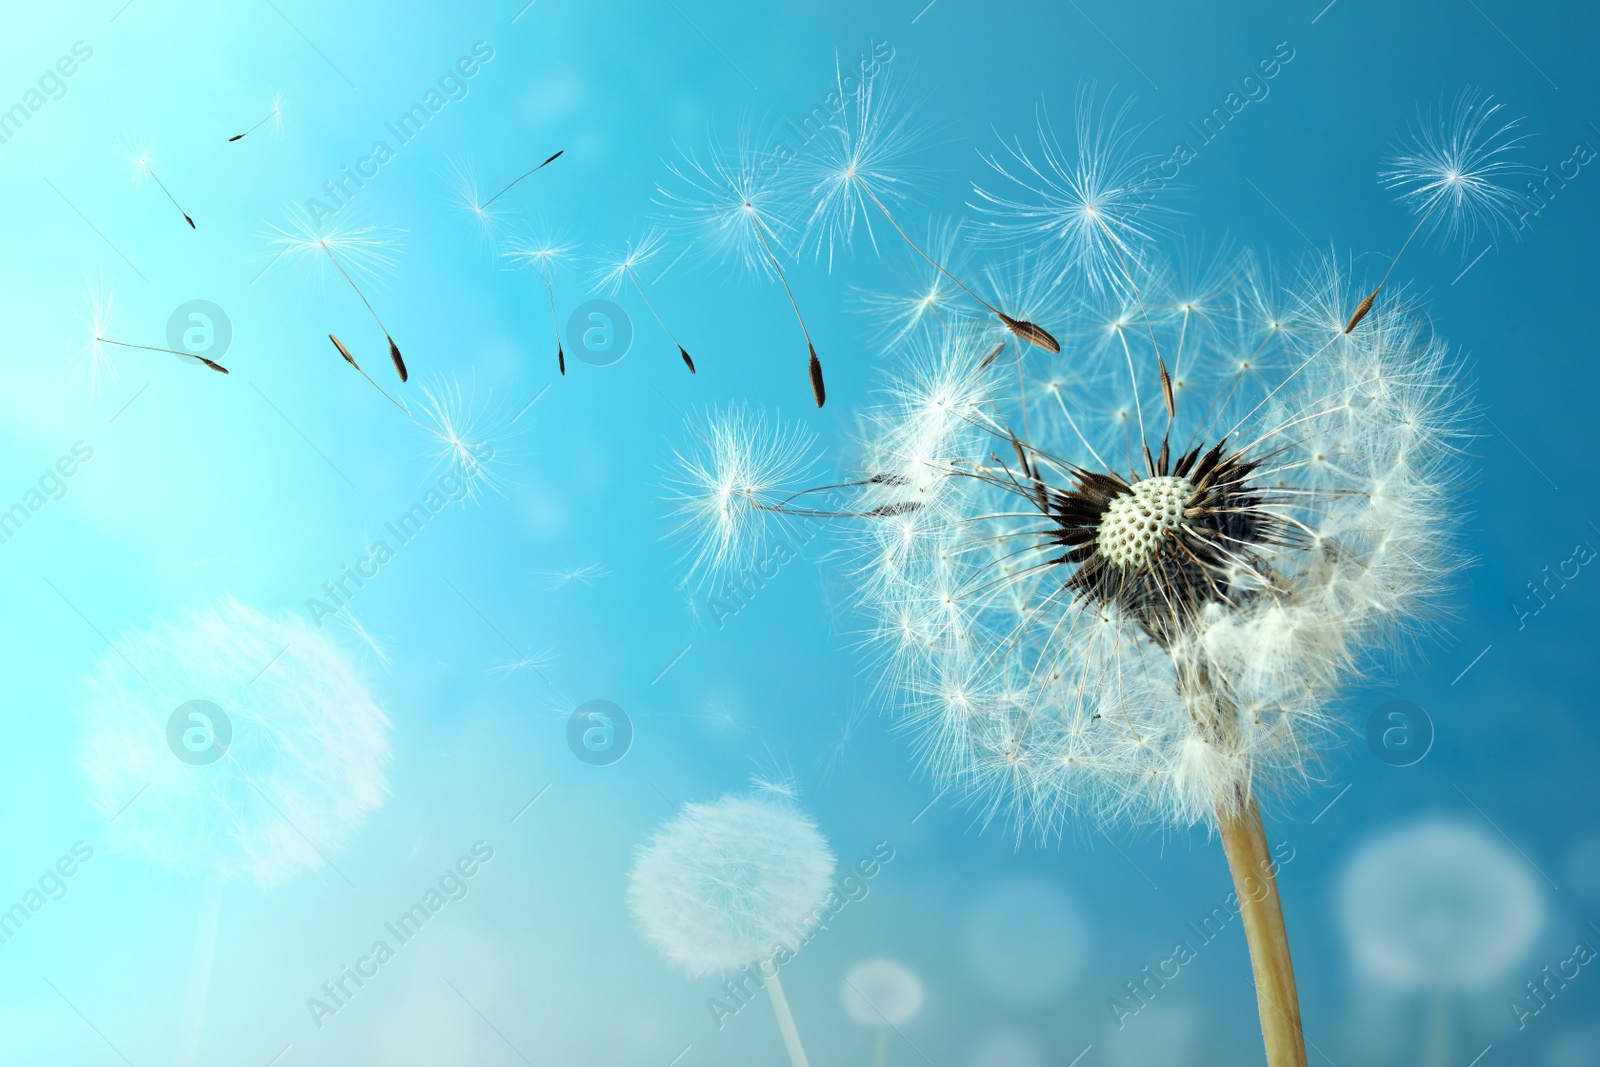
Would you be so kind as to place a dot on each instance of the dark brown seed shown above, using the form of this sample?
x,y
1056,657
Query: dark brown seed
x,y
343,351
1030,333
1361,312
235,137
561,359
1166,387
190,221
818,390
988,360
219,368
687,362
394,354
1149,463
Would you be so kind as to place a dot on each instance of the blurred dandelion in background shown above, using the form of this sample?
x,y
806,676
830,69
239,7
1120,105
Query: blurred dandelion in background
x,y
732,884
1439,908
882,994
302,765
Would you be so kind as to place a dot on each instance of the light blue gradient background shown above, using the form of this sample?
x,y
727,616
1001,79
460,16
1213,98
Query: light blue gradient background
x,y
202,489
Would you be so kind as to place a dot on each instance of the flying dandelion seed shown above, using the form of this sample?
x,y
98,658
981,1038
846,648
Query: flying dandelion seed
x,y
273,120
143,163
587,574
613,271
927,300
545,254
518,180
732,483
98,320
740,212
362,249
536,662
1452,170
883,994
93,359
733,884
463,436
859,170
465,195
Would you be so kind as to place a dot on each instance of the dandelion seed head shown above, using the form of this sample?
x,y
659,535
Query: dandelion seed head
x,y
1455,167
93,360
1082,608
724,884
305,769
365,251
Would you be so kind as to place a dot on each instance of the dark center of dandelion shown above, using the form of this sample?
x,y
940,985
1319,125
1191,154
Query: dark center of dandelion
x,y
1163,547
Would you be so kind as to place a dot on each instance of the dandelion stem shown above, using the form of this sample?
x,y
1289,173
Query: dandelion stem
x,y
1366,305
1250,861
508,188
174,199
1034,335
780,1008
171,351
684,352
814,365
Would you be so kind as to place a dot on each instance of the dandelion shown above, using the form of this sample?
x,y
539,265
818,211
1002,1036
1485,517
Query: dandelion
x,y
736,202
98,320
731,885
302,767
883,994
1450,170
623,267
143,161
587,574
859,167
544,253
274,117
1441,908
466,196
1089,599
362,249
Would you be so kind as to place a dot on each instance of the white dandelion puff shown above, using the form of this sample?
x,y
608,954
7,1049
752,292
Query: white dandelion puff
x,y
1438,904
614,271
883,994
305,767
545,253
732,884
